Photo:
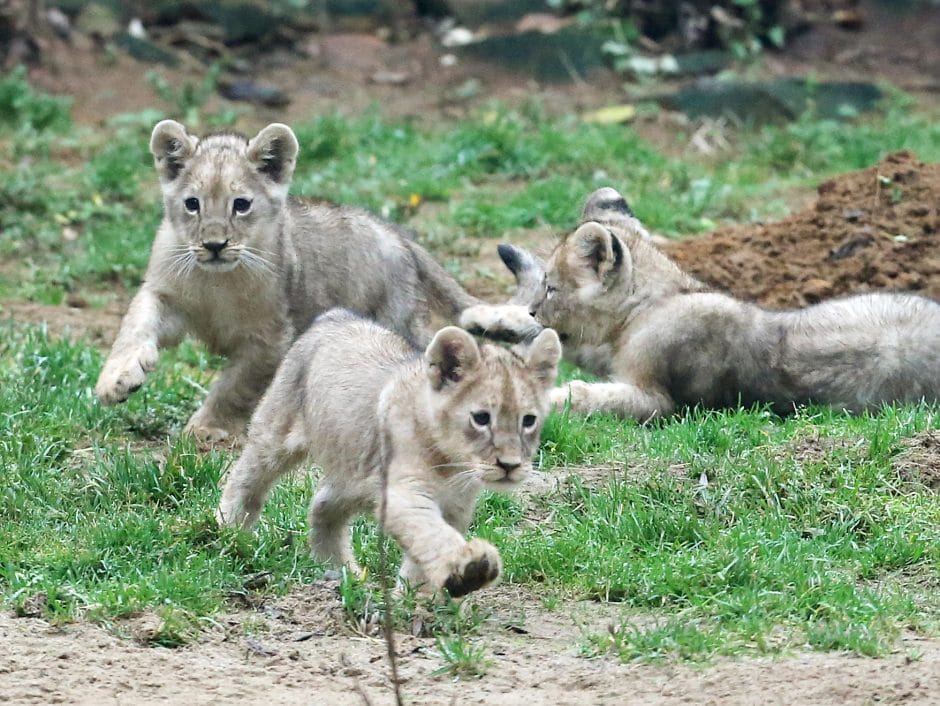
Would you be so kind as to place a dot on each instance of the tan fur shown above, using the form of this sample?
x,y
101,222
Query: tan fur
x,y
626,311
246,282
360,402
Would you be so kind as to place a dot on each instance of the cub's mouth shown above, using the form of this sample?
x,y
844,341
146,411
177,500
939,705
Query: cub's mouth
x,y
217,257
217,263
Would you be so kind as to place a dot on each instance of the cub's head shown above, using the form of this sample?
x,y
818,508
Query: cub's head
x,y
488,404
595,274
222,192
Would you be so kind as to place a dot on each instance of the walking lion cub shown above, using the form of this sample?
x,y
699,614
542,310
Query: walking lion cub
x,y
245,269
359,401
624,310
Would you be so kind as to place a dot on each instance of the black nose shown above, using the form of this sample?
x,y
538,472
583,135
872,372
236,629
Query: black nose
x,y
508,466
214,246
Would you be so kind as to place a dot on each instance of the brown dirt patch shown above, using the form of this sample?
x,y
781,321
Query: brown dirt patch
x,y
875,229
297,649
919,461
97,326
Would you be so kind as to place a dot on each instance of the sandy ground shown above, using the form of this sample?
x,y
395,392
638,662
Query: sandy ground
x,y
301,652
300,648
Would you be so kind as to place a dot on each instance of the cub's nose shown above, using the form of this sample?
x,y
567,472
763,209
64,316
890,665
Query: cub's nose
x,y
508,465
214,246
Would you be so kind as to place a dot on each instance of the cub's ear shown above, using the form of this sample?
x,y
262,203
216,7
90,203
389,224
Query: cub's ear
x,y
605,203
597,250
528,270
450,356
543,356
273,151
171,147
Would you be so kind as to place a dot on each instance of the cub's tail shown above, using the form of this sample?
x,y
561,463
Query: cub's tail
x,y
446,296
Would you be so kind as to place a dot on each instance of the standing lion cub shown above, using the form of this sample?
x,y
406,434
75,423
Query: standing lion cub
x,y
244,269
626,311
359,401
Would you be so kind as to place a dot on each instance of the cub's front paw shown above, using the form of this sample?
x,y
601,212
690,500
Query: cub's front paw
x,y
479,565
123,374
505,322
576,391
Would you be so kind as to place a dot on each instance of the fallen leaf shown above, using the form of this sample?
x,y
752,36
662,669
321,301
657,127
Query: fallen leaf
x,y
610,115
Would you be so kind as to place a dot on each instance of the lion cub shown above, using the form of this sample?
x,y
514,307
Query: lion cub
x,y
359,401
244,269
625,310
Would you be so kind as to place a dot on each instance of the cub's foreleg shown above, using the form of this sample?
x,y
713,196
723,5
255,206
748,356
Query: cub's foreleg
x,y
621,398
500,322
436,553
149,324
236,391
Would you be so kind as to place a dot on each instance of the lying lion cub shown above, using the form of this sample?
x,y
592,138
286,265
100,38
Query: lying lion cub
x,y
362,403
245,269
625,310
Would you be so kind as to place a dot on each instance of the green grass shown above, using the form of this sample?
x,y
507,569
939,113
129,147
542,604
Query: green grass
x,y
717,533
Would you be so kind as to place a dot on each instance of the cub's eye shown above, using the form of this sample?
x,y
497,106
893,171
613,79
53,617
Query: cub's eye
x,y
192,204
528,421
241,205
480,419
550,291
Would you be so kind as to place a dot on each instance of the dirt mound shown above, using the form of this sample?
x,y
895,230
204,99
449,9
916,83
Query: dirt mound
x,y
875,229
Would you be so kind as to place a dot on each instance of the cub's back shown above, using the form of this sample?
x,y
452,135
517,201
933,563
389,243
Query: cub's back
x,y
339,368
346,257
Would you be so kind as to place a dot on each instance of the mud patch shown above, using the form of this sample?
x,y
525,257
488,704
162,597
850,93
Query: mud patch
x,y
874,229
919,461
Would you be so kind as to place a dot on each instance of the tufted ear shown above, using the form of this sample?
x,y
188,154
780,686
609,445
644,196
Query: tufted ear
x,y
450,356
171,147
605,203
543,355
273,151
597,251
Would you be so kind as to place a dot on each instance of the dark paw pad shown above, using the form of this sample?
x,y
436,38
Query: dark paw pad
x,y
476,574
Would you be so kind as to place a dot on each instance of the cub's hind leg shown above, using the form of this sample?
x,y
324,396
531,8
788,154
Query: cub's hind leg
x,y
331,511
276,444
621,398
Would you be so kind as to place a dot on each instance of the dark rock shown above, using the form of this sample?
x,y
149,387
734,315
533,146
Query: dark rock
x,y
145,50
566,55
251,92
773,101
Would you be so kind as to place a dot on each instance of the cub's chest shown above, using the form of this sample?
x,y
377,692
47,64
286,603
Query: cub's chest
x,y
224,311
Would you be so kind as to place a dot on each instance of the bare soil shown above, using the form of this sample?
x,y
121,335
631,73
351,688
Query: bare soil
x,y
875,229
298,649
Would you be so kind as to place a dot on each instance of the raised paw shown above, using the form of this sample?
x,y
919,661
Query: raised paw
x,y
124,374
505,322
479,565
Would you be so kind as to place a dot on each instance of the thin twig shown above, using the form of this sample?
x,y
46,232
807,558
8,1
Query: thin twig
x,y
388,623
